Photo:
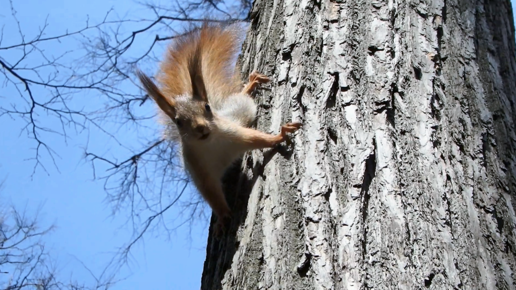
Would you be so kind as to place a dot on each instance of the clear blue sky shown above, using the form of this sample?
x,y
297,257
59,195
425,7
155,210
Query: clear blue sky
x,y
70,199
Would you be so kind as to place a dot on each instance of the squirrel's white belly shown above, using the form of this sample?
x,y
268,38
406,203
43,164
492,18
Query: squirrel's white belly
x,y
218,154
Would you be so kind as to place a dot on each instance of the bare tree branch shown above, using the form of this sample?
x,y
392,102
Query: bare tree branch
x,y
24,261
83,80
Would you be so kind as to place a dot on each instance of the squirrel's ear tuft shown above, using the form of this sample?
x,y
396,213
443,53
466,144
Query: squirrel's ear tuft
x,y
195,70
198,88
167,106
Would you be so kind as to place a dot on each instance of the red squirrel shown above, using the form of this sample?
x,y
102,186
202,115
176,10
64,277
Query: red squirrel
x,y
201,92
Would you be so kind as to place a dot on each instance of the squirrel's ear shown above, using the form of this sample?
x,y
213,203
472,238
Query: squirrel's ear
x,y
164,104
198,88
195,70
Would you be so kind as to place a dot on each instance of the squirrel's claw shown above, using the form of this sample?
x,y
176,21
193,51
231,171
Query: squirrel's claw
x,y
290,128
258,78
255,79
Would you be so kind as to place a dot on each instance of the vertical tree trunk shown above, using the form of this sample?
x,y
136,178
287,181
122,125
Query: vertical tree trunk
x,y
403,175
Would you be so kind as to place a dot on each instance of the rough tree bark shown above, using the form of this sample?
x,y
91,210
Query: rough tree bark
x,y
403,175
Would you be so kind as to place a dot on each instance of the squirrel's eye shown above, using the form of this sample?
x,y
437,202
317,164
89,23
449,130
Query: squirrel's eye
x,y
207,107
178,122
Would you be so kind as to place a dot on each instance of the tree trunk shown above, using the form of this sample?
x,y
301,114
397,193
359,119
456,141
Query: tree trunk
x,y
403,175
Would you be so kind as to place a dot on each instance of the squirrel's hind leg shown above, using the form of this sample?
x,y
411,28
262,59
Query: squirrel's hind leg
x,y
211,190
209,185
255,79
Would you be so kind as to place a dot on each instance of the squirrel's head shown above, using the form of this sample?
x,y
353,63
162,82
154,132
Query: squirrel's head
x,y
191,114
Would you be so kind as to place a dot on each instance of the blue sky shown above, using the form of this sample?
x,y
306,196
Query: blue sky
x,y
86,233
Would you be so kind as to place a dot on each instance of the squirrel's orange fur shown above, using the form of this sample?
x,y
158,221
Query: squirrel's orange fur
x,y
202,95
217,47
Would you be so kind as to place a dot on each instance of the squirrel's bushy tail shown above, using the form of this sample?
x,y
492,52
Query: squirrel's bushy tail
x,y
215,48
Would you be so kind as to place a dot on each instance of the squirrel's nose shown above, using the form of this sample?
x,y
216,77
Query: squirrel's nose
x,y
203,130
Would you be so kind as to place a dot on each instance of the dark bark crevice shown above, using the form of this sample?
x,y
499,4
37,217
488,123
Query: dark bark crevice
x,y
369,174
334,90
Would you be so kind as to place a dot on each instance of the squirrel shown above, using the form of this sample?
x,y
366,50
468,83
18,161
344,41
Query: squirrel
x,y
201,92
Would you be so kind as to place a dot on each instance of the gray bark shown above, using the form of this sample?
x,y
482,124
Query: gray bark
x,y
403,175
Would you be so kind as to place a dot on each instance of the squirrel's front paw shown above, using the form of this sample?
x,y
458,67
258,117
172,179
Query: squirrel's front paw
x,y
288,128
258,78
255,79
